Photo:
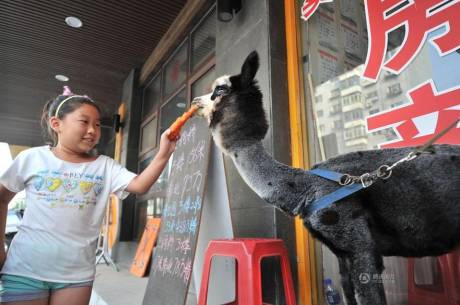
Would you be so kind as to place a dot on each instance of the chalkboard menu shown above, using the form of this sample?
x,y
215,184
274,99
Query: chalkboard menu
x,y
172,263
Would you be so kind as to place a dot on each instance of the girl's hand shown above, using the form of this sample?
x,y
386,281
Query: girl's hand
x,y
167,146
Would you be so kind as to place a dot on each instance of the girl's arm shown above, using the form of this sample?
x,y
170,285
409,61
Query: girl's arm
x,y
142,183
5,198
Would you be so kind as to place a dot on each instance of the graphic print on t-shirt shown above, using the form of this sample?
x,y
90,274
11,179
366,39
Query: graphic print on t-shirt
x,y
67,189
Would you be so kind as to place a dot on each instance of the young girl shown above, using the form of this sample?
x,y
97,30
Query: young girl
x,y
52,258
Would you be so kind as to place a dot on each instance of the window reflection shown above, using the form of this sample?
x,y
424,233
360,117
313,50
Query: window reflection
x,y
348,99
174,108
340,102
155,207
204,40
149,135
152,96
176,71
165,99
203,84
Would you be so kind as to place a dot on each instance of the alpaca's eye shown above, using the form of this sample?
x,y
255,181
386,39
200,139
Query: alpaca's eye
x,y
220,90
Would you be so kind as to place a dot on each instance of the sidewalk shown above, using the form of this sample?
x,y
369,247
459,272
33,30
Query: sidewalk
x,y
117,288
122,287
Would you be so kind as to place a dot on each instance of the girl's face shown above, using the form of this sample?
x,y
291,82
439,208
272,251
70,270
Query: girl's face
x,y
79,130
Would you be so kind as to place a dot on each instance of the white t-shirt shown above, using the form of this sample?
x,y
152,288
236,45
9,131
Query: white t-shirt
x,y
66,202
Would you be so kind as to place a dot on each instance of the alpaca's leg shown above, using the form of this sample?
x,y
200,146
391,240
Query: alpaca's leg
x,y
347,283
366,268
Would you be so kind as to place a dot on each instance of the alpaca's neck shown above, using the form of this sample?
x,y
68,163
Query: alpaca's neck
x,y
278,184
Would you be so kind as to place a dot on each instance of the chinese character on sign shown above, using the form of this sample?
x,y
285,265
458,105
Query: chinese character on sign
x,y
419,17
309,7
429,113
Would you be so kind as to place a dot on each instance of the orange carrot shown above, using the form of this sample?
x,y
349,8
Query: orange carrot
x,y
180,121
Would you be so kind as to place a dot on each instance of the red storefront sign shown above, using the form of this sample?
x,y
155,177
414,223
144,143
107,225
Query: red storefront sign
x,y
309,7
429,113
419,18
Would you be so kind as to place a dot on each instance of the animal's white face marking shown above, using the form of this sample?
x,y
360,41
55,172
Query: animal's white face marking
x,y
206,110
208,102
206,106
223,80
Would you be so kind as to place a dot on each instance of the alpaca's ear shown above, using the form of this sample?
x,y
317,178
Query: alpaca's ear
x,y
249,69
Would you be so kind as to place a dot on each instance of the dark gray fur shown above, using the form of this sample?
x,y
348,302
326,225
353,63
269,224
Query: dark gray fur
x,y
416,212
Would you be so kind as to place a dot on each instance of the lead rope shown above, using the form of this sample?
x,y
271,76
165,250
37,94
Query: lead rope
x,y
384,171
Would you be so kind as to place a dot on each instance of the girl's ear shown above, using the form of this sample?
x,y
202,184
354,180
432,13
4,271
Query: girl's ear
x,y
54,123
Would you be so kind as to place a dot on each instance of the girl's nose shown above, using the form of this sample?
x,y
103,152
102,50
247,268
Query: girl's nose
x,y
91,129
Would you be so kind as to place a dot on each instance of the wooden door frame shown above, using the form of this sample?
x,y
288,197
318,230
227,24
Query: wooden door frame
x,y
305,244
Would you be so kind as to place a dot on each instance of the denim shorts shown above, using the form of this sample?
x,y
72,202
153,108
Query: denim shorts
x,y
15,288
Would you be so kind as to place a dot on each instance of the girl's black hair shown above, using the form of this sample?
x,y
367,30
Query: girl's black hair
x,y
49,110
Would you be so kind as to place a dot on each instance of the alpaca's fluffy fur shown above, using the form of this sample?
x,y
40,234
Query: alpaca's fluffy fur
x,y
416,212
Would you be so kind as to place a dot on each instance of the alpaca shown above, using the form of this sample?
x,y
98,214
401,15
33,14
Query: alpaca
x,y
415,212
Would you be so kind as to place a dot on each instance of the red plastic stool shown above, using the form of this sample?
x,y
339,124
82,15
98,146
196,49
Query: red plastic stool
x,y
446,290
248,254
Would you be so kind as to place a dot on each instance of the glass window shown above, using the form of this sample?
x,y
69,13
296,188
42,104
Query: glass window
x,y
176,70
174,108
351,99
335,93
141,216
348,82
372,96
149,135
336,109
322,129
204,40
152,96
338,124
203,84
166,97
374,111
159,187
145,161
394,90
155,206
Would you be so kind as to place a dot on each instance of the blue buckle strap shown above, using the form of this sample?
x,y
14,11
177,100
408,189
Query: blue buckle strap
x,y
329,199
331,175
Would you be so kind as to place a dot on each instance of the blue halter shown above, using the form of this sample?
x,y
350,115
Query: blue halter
x,y
347,190
329,199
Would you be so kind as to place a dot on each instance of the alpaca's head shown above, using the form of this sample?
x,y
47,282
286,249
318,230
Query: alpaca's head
x,y
234,108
